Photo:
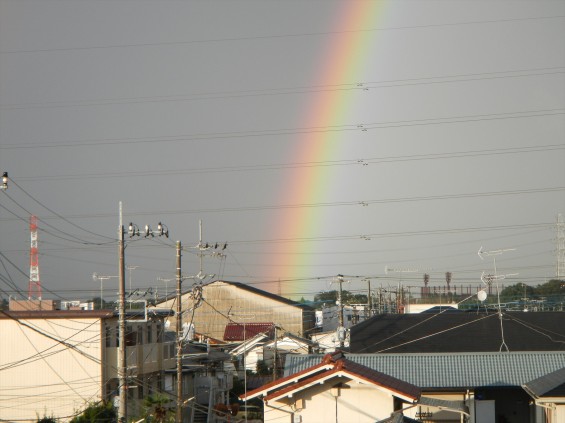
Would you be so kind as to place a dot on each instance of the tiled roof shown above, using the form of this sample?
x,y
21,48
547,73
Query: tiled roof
x,y
241,332
381,379
451,370
331,366
459,332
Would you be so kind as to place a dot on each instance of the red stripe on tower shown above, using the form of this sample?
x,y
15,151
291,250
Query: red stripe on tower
x,y
34,287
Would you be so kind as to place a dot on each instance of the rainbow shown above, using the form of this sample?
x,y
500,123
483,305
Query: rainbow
x,y
344,56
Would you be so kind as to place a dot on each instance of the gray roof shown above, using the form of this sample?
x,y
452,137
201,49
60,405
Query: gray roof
x,y
451,370
398,418
552,383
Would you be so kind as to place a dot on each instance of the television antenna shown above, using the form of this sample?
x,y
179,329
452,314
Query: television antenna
x,y
495,277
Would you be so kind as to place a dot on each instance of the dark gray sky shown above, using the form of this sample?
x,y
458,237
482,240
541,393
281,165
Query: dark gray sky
x,y
314,142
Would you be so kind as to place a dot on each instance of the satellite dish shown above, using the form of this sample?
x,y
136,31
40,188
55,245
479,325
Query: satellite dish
x,y
481,295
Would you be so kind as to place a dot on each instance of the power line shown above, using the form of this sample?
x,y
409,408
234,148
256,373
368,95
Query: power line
x,y
279,36
351,86
291,131
57,214
298,165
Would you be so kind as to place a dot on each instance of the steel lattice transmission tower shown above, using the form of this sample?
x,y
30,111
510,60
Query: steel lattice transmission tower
x,y
560,268
34,287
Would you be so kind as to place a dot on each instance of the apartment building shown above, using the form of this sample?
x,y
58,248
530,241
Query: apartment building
x,y
55,363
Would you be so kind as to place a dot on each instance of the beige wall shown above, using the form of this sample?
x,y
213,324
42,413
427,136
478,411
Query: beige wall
x,y
40,376
223,299
361,403
56,363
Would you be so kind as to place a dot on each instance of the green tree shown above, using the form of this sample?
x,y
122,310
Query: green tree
x,y
97,413
262,368
158,408
330,297
554,287
517,292
46,419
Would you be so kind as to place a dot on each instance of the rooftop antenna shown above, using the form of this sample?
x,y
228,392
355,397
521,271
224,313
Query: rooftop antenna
x,y
560,270
488,279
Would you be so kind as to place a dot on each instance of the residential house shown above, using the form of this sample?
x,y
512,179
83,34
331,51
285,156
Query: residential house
x,y
206,381
548,393
329,342
459,331
268,347
54,363
334,389
327,319
466,387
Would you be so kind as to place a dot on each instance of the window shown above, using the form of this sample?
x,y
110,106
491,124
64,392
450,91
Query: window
x,y
108,336
130,336
140,335
140,388
149,333
159,334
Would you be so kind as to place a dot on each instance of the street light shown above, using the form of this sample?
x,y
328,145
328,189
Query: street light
x,y
97,277
4,181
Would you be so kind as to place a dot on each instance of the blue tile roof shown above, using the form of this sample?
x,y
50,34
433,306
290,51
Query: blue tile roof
x,y
451,370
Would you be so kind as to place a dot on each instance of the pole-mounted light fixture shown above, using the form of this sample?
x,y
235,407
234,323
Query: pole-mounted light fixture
x,y
4,181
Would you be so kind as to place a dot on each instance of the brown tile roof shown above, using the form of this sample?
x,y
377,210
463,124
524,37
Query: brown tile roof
x,y
335,365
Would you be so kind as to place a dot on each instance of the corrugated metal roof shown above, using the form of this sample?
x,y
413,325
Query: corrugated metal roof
x,y
245,331
549,384
452,370
262,293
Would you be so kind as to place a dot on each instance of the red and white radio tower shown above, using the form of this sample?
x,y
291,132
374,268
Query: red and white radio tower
x,y
34,288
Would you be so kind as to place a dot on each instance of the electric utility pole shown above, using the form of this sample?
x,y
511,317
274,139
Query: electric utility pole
x,y
341,329
179,334
122,409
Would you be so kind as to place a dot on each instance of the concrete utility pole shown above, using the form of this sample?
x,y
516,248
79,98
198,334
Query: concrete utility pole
x,y
122,369
370,298
275,356
133,230
179,335
341,329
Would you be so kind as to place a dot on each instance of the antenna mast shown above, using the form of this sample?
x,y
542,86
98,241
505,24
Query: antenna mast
x,y
34,287
560,269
